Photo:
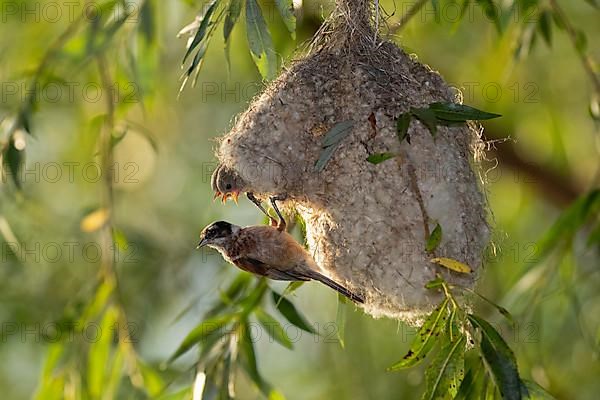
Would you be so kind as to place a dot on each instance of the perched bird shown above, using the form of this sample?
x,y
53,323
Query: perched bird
x,y
267,251
226,183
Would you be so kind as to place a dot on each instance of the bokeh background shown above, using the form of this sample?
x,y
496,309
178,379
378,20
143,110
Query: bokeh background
x,y
53,252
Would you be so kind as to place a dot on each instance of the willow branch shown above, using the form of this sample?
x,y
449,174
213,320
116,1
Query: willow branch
x,y
106,234
586,61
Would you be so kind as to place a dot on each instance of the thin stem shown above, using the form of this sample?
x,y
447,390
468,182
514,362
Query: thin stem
x,y
408,16
52,51
586,61
108,266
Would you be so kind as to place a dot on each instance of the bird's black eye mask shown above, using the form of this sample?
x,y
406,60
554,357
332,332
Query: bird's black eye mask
x,y
218,229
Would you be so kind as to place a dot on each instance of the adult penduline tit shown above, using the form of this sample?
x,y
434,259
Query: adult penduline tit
x,y
267,251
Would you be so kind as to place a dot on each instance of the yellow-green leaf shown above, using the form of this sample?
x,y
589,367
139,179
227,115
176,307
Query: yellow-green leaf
x,y
273,328
380,157
99,354
402,125
286,10
425,338
95,220
446,371
259,41
434,239
289,311
200,332
452,264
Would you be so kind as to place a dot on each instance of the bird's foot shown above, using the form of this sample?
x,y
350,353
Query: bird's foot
x,y
258,204
274,199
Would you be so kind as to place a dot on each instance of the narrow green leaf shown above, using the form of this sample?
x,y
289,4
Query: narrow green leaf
x,y
581,42
233,13
428,117
471,383
202,29
324,158
402,124
593,3
436,10
98,303
254,298
200,332
196,63
337,133
273,328
289,311
259,41
425,338
545,26
340,319
99,354
147,21
569,222
211,344
500,359
114,375
249,363
594,236
331,141
153,382
380,157
434,239
286,10
53,356
293,286
536,392
227,378
227,297
503,311
435,283
446,371
13,160
459,112
491,11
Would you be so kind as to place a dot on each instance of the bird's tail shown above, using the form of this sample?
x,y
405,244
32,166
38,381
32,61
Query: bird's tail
x,y
336,286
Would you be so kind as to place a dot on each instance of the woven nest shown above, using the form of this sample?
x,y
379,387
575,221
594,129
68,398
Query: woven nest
x,y
366,224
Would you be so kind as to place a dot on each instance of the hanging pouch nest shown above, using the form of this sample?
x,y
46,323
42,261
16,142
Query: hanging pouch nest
x,y
318,134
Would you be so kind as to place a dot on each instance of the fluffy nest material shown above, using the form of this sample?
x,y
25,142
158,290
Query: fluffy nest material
x,y
366,224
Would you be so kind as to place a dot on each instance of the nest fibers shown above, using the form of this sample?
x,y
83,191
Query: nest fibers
x,y
366,224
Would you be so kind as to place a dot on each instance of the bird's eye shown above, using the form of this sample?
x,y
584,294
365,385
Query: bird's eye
x,y
228,186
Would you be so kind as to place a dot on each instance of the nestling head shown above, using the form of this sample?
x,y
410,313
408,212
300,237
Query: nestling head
x,y
217,234
227,183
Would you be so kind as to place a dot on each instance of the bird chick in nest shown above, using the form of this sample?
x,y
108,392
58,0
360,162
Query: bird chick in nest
x,y
227,183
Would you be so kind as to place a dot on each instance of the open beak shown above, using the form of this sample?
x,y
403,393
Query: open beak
x,y
226,196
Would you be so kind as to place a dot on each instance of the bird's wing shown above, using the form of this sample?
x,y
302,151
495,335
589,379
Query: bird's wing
x,y
270,271
273,272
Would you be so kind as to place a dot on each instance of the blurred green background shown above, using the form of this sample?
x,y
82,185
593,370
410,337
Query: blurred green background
x,y
53,256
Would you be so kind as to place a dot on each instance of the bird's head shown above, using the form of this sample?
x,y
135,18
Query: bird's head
x,y
227,183
217,235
